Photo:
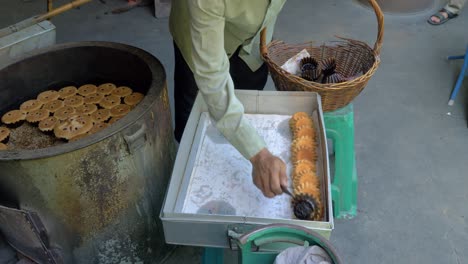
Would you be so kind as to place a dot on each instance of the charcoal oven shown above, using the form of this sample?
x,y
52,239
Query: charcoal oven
x,y
95,200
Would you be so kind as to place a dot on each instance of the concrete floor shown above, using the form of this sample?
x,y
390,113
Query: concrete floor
x,y
411,148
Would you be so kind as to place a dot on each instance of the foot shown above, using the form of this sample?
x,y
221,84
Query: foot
x,y
441,17
437,19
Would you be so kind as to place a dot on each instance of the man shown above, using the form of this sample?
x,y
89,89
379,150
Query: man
x,y
451,10
216,48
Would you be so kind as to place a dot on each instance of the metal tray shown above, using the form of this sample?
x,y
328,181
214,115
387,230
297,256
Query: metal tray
x,y
211,192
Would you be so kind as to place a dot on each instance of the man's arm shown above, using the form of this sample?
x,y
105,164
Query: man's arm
x,y
211,72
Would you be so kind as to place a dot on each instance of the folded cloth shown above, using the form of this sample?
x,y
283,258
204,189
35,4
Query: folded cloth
x,y
303,255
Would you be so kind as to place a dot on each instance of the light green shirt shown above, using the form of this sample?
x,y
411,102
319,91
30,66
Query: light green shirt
x,y
208,32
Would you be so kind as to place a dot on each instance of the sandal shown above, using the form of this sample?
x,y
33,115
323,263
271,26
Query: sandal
x,y
442,18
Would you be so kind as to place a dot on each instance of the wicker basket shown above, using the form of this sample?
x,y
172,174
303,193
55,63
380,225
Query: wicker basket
x,y
354,59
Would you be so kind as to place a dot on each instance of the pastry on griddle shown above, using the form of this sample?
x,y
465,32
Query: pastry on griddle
x,y
113,120
48,96
64,112
74,101
106,88
120,110
68,91
86,109
3,146
122,91
48,124
101,115
14,117
110,101
87,89
53,106
30,105
73,126
75,138
133,99
93,98
37,115
98,127
4,133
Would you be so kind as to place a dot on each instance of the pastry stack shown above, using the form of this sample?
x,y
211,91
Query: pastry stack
x,y
306,185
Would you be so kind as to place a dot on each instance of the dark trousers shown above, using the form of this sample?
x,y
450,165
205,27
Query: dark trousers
x,y
186,89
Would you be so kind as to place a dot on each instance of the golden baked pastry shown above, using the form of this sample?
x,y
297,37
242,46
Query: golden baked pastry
x,y
307,202
110,101
296,117
133,99
122,91
304,131
53,106
68,91
120,110
303,167
4,133
48,124
299,142
101,115
48,96
13,117
87,89
306,121
64,112
306,177
106,88
113,120
73,126
74,101
78,137
3,146
93,98
86,109
30,105
304,152
98,127
37,115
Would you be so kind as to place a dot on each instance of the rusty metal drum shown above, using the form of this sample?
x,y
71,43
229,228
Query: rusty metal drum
x,y
94,200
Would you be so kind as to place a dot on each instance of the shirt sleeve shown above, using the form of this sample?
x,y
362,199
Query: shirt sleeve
x,y
211,72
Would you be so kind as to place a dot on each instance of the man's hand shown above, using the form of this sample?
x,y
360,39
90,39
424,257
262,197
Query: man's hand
x,y
269,173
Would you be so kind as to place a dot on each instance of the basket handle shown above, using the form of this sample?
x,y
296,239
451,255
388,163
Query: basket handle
x,y
377,44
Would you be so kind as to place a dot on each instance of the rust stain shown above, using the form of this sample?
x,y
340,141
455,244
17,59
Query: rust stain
x,y
94,191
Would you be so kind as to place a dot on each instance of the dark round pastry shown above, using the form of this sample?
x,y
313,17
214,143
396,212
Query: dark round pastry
x,y
311,75
334,78
310,69
304,207
308,63
328,66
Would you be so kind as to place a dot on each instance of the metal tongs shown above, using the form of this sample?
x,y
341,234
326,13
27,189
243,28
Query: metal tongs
x,y
286,191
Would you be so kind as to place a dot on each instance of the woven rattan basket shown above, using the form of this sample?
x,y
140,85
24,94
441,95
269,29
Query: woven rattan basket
x,y
356,60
